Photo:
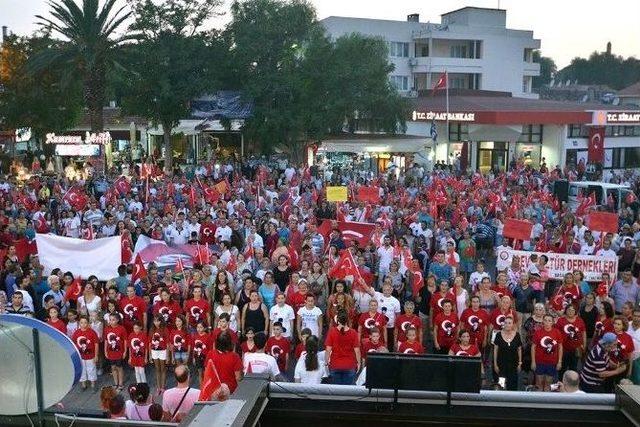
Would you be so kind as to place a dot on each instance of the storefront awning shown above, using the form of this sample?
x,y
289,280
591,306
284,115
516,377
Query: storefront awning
x,y
376,145
185,127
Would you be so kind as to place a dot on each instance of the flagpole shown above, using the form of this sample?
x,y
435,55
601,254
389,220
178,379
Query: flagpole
x,y
446,82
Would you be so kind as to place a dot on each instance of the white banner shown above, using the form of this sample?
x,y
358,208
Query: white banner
x,y
100,257
559,264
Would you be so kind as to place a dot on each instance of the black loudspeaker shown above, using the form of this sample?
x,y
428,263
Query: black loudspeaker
x,y
561,190
423,372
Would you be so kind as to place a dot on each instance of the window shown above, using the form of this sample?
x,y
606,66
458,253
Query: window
x,y
422,50
458,132
531,133
457,82
399,49
578,131
400,82
459,51
631,157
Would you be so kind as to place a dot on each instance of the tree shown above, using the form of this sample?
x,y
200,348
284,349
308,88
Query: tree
x,y
48,101
603,68
303,85
175,62
90,48
548,69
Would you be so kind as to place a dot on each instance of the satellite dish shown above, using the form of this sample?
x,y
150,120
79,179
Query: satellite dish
x,y
616,101
585,98
60,361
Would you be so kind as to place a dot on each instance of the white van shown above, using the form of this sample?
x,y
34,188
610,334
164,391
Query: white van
x,y
602,190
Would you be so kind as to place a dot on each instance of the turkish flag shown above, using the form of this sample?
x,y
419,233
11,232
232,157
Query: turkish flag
x,y
442,82
596,144
179,266
207,233
346,266
87,232
585,203
76,198
603,221
122,185
211,195
24,248
210,382
203,255
146,171
517,229
294,258
40,224
369,194
139,271
358,231
74,290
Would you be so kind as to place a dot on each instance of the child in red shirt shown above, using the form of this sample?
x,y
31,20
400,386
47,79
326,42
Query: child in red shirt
x,y
279,347
300,348
115,348
88,345
138,350
410,345
54,321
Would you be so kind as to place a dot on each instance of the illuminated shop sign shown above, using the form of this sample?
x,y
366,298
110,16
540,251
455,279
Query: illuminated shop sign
x,y
442,117
101,138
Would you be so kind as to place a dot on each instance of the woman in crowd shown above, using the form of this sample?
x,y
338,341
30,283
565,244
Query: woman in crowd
x,y
232,310
255,314
89,301
589,314
342,351
546,353
507,354
311,366
574,343
137,408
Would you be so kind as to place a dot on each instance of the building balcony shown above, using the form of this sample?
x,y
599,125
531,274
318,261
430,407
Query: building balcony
x,y
440,64
531,69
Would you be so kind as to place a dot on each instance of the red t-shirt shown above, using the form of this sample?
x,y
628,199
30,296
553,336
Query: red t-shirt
x,y
447,326
138,345
367,322
342,348
132,309
410,347
201,345
498,318
300,348
367,346
403,322
624,348
58,324
471,351
296,300
244,347
572,332
476,323
168,310
547,346
85,342
179,340
115,341
158,340
602,326
278,348
217,331
564,297
436,302
227,364
502,291
196,311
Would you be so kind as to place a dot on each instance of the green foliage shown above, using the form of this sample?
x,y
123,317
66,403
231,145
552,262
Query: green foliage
x,y
303,85
174,63
90,48
604,69
47,101
548,69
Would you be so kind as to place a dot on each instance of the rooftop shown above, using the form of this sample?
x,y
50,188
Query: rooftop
x,y
633,90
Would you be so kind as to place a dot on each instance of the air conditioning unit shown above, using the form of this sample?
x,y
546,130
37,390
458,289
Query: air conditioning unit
x,y
413,61
413,94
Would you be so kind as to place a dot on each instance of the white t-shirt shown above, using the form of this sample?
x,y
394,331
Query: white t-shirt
x,y
389,306
386,256
607,253
310,377
310,319
258,363
136,412
502,264
285,315
587,249
476,277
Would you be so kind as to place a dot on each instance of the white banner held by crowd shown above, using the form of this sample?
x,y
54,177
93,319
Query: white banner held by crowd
x,y
100,257
559,264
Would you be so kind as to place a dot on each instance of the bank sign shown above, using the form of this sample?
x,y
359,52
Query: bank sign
x,y
631,117
419,116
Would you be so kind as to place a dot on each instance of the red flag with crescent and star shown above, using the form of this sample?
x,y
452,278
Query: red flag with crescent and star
x,y
74,290
346,266
596,144
210,382
139,271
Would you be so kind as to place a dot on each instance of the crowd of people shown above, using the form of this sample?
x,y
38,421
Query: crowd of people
x,y
269,296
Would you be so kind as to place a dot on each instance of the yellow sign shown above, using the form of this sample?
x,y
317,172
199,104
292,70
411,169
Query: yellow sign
x,y
336,194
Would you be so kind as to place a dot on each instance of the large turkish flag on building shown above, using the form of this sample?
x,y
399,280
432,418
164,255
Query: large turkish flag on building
x,y
596,144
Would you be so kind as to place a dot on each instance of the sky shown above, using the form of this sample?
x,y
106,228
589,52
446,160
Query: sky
x,y
566,28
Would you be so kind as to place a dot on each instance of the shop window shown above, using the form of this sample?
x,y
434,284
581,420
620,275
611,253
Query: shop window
x,y
631,130
458,132
578,131
531,133
632,157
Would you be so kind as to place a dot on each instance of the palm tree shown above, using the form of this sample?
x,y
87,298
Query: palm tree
x,y
90,47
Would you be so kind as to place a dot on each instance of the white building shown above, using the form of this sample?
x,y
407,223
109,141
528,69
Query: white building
x,y
472,44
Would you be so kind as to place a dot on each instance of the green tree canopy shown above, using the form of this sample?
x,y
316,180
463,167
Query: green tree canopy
x,y
174,62
603,68
47,101
89,47
548,69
